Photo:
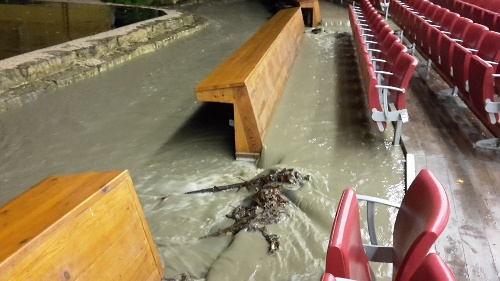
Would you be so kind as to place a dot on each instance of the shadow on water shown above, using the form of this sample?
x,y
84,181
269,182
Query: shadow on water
x,y
353,115
207,129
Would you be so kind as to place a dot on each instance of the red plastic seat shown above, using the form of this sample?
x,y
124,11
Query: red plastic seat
x,y
468,11
489,19
346,256
459,28
416,228
489,50
461,61
448,21
481,88
473,35
433,269
446,58
402,71
435,44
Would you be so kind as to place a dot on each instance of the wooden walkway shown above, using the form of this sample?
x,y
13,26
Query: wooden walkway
x,y
440,135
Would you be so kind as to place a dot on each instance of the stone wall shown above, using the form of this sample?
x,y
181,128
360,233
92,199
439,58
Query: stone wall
x,y
24,77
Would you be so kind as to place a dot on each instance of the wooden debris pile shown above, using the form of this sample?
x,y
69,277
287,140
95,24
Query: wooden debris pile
x,y
267,204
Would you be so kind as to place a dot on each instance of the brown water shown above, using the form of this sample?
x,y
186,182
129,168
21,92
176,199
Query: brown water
x,y
26,26
143,116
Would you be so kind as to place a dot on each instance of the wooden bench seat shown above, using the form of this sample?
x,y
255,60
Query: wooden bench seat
x,y
253,79
77,227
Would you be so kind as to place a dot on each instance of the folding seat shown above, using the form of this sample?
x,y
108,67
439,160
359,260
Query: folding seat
x,y
473,36
468,11
430,11
432,269
402,71
419,25
423,38
477,15
482,90
448,22
446,58
416,228
489,19
459,28
385,64
439,16
493,6
461,61
423,7
345,256
489,49
457,7
434,46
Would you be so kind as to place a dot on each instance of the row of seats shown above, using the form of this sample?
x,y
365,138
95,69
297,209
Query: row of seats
x,y
452,44
492,5
416,228
385,66
478,14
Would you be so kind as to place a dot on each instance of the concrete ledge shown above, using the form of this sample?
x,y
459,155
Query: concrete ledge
x,y
24,77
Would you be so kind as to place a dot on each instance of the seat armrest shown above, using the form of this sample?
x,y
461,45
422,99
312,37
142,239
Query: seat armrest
x,y
390,88
370,205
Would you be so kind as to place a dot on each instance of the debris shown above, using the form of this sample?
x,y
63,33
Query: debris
x,y
460,181
267,205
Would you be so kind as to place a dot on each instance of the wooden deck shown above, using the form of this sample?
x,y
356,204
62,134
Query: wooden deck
x,y
440,135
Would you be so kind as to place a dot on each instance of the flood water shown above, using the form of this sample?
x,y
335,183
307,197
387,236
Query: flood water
x,y
26,26
143,116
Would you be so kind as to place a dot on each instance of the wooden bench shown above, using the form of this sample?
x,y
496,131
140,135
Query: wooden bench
x,y
253,79
310,8
77,227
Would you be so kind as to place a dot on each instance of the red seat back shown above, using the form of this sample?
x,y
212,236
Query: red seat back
x,y
433,269
402,71
446,56
459,28
489,19
345,256
481,87
489,50
422,217
473,35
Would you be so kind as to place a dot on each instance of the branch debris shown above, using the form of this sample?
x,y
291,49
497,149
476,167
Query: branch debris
x,y
267,204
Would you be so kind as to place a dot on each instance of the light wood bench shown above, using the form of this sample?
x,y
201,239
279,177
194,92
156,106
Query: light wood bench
x,y
77,227
253,79
311,11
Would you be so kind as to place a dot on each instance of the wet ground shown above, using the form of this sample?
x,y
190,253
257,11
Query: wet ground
x,y
143,116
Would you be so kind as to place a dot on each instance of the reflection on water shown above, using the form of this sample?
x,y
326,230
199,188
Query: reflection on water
x,y
27,26
143,116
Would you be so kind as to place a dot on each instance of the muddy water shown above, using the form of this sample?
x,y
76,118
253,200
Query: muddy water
x,y
143,116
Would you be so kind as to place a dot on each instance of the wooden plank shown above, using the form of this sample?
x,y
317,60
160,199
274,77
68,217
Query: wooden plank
x,y
254,77
473,237
483,179
234,71
449,244
99,231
